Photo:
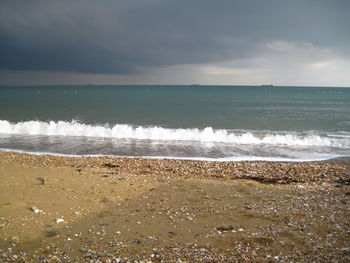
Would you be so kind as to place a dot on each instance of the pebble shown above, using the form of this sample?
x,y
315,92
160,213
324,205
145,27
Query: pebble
x,y
59,220
83,250
51,233
225,228
35,209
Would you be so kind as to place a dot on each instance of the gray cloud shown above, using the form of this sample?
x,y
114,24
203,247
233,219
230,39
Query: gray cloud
x,y
127,37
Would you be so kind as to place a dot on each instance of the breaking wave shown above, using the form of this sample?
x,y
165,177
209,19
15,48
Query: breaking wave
x,y
124,131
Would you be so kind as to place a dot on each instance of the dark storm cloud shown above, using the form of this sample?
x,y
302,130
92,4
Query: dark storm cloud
x,y
121,37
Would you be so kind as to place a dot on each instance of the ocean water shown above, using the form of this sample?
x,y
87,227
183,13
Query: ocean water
x,y
189,122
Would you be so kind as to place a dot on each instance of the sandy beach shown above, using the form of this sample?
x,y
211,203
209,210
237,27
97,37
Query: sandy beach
x,y
174,131
105,209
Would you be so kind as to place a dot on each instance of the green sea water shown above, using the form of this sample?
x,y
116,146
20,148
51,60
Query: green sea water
x,y
25,111
256,108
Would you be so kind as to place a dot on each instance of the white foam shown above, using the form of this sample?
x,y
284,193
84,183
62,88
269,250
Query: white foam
x,y
124,131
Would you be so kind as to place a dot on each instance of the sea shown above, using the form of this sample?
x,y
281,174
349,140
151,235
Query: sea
x,y
214,123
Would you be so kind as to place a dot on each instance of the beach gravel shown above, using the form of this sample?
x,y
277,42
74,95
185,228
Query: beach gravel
x,y
151,210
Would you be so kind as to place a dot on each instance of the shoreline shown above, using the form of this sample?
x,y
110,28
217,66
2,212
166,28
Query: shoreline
x,y
298,172
111,209
199,159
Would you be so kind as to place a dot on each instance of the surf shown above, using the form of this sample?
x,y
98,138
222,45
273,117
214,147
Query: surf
x,y
157,133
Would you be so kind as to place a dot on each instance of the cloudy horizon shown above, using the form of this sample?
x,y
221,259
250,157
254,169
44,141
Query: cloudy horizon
x,y
224,42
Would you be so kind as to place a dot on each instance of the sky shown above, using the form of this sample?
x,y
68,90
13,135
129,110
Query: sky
x,y
221,42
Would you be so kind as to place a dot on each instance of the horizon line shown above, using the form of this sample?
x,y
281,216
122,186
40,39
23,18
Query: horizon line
x,y
190,85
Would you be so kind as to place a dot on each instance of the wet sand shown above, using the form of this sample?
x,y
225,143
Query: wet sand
x,y
65,209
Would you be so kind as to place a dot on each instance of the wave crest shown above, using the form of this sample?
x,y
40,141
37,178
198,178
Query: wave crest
x,y
124,131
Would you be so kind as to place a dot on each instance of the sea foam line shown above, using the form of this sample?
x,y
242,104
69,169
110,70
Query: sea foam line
x,y
125,131
200,159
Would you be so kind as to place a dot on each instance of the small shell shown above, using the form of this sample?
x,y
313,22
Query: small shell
x,y
59,220
35,209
